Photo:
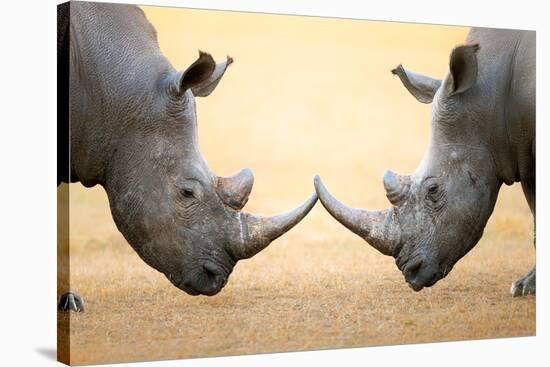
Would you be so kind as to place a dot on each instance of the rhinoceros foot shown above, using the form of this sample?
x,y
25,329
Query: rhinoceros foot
x,y
70,301
526,285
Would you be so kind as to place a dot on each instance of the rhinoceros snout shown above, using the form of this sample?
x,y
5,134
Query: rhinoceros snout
x,y
420,274
208,280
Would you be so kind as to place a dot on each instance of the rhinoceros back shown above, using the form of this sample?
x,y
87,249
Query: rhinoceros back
x,y
63,18
115,68
507,78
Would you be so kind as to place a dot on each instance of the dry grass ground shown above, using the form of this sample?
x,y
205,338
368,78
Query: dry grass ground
x,y
304,96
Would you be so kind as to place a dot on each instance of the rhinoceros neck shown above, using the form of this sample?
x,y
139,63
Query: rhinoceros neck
x,y
506,86
116,67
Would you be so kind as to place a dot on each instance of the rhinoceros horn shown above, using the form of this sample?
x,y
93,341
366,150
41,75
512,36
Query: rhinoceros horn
x,y
234,190
379,228
396,186
258,231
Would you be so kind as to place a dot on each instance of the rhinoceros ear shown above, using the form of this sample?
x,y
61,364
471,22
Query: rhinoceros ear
x,y
422,87
195,75
462,69
201,77
206,87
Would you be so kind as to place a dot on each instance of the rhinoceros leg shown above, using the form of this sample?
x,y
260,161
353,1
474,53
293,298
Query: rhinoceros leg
x,y
528,284
70,301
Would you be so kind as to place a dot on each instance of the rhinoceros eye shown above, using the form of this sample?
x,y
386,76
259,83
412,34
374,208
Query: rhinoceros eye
x,y
433,193
433,189
188,193
435,196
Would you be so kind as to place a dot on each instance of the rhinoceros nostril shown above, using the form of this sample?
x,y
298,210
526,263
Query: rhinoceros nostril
x,y
211,269
216,276
413,267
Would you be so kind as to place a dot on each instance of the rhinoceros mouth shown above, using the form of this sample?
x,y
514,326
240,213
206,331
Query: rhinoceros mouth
x,y
420,273
417,287
191,289
187,288
207,279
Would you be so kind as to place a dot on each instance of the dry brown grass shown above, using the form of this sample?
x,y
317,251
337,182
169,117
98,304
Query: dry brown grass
x,y
305,96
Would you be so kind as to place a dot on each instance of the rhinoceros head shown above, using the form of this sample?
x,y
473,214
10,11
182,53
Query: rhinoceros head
x,y
439,212
180,217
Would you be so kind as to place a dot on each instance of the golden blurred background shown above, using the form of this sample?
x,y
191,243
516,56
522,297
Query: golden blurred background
x,y
305,96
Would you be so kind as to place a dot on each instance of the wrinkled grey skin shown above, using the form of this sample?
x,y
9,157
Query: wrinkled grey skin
x,y
482,135
134,131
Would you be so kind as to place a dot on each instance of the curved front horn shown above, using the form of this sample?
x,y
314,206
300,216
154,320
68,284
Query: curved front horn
x,y
258,232
379,228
